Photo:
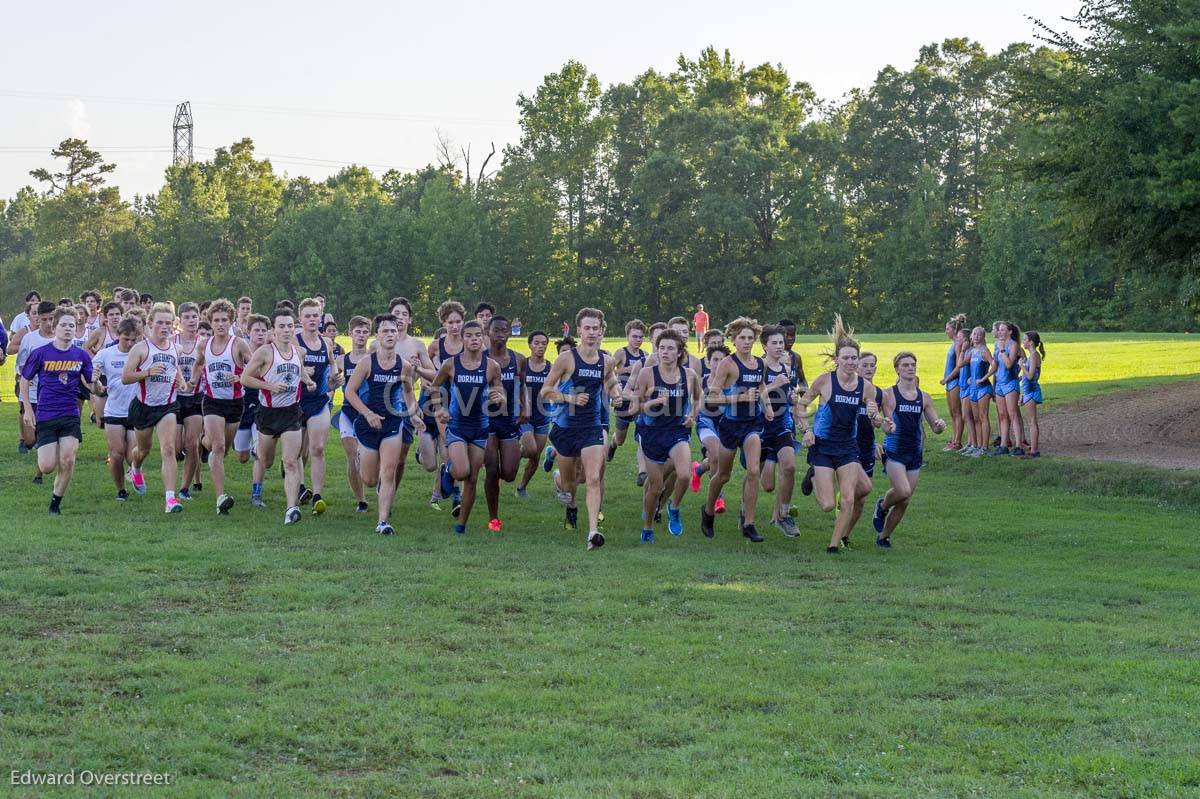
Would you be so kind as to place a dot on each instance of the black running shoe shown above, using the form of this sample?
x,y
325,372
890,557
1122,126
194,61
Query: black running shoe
x,y
845,542
806,486
55,510
641,479
595,540
572,519
752,534
37,478
306,495
833,550
612,451
197,487
456,508
877,518
886,543
122,495
363,507
706,523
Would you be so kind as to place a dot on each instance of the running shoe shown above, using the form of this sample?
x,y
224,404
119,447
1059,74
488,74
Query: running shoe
x,y
571,521
719,505
494,525
383,528
788,525
657,515
224,503
641,479
806,485
306,494
612,451
173,506
122,495
950,447
522,493
292,516
595,540
548,462
184,494
1017,452
460,529
55,509
674,521
996,441
877,518
22,447
599,515
564,497
256,501
456,508
1033,454
706,523
435,501
1000,451
750,532
319,505
363,507
647,536
845,542
446,485
793,511
886,543
37,478
695,477
832,551
197,487
977,452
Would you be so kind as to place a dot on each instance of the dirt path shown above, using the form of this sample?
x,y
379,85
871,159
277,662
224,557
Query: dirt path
x,y
1155,426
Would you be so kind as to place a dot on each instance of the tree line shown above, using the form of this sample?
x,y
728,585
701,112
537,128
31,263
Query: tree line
x,y
1053,182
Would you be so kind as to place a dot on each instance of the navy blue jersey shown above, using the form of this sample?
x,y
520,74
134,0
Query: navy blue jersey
x,y
780,400
348,368
678,402
951,360
384,390
535,382
443,354
316,359
587,378
866,430
908,436
748,377
468,395
508,379
706,409
837,420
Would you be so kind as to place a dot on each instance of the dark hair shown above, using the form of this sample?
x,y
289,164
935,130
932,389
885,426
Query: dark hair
x,y
90,293
243,299
129,294
45,307
394,301
257,319
472,324
673,335
529,339
281,310
206,326
66,301
484,306
31,295
1036,338
786,323
385,317
109,306
770,330
129,325
498,318
721,348
146,296
564,342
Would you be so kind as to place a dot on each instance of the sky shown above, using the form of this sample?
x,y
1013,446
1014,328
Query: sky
x,y
318,86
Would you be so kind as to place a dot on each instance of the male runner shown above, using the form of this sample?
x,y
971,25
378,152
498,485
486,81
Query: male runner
x,y
221,362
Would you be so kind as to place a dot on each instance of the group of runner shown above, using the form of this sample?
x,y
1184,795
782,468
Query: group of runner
x,y
215,378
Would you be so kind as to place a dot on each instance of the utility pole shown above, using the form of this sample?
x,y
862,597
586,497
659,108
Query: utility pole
x,y
183,134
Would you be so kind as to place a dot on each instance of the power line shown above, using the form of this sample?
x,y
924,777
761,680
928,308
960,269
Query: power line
x,y
264,109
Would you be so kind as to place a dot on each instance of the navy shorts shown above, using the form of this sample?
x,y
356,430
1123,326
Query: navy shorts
x,y
539,427
570,441
774,444
913,461
49,431
657,442
832,455
390,427
624,421
503,428
310,408
249,412
734,432
475,437
706,426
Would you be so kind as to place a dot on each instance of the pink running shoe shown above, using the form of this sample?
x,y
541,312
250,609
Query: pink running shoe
x,y
173,506
695,477
139,482
494,525
719,505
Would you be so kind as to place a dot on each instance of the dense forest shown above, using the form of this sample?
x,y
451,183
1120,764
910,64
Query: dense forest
x,y
1055,182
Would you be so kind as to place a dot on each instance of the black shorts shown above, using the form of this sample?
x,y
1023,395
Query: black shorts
x,y
570,441
143,417
228,409
274,422
311,407
50,431
85,393
116,421
190,406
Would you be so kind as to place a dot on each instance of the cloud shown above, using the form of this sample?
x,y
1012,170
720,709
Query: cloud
x,y
77,119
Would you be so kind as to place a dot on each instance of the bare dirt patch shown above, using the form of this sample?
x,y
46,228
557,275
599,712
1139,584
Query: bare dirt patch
x,y
1157,426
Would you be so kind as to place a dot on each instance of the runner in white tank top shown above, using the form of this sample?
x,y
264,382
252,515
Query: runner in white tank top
x,y
285,372
153,364
159,389
219,371
220,368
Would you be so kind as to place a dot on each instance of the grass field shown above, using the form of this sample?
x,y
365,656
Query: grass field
x,y
1032,633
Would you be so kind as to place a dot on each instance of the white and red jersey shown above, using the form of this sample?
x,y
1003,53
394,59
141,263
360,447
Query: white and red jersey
x,y
92,324
219,370
286,371
159,390
187,364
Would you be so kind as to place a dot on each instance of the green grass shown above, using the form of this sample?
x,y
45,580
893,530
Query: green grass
x,y
1033,633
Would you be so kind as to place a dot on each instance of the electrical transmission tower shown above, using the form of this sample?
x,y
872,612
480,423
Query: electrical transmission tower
x,y
183,134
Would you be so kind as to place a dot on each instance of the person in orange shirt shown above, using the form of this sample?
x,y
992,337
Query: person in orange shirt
x,y
700,325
